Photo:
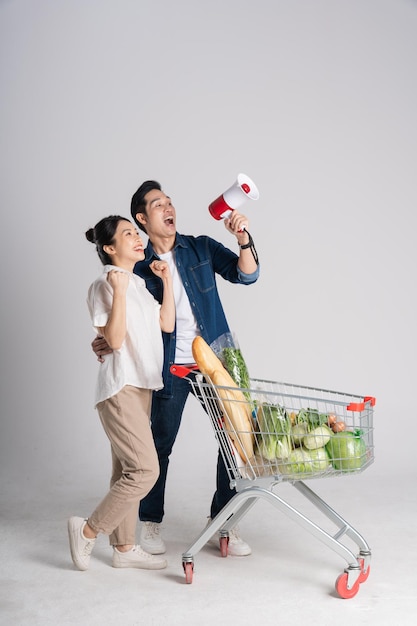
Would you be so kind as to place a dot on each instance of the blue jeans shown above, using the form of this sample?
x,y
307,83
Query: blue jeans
x,y
166,419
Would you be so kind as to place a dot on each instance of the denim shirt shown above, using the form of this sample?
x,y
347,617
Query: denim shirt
x,y
198,260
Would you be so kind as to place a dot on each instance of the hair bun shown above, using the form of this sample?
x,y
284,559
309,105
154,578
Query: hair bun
x,y
90,235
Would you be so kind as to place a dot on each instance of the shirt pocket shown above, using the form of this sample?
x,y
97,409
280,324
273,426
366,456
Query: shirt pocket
x,y
203,276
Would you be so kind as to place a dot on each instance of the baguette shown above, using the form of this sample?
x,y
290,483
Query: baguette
x,y
238,420
205,357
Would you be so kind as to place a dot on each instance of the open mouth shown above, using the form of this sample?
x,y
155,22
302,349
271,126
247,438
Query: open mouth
x,y
169,220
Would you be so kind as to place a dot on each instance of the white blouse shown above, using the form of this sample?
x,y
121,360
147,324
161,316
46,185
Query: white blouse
x,y
140,359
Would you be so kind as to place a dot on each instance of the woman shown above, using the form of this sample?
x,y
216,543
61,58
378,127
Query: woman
x,y
130,319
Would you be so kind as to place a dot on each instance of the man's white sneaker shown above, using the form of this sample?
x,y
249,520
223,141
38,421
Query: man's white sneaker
x,y
136,557
236,545
80,546
150,539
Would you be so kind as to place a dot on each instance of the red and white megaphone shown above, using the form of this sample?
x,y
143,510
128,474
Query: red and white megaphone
x,y
234,197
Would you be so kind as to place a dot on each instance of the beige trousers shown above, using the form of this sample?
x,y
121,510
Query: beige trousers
x,y
135,467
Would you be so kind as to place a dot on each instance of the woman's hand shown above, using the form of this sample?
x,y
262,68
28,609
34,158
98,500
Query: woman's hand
x,y
118,280
100,348
160,268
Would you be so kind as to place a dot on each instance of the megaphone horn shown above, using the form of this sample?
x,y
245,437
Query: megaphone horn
x,y
243,189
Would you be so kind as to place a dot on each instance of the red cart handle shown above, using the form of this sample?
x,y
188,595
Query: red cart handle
x,y
182,370
360,406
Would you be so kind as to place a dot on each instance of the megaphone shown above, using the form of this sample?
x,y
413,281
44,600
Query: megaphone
x,y
243,189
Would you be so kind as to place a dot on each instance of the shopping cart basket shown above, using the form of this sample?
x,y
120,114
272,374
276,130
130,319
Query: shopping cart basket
x,y
291,433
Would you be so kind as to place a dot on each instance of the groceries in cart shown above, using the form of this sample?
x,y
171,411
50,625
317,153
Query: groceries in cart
x,y
279,429
270,432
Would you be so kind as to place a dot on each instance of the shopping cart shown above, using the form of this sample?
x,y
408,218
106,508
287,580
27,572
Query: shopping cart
x,y
336,440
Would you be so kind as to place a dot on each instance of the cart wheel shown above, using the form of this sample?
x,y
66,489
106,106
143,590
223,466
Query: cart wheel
x,y
189,570
364,573
342,587
224,542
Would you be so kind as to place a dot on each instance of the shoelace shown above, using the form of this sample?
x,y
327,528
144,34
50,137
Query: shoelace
x,y
142,553
88,547
152,530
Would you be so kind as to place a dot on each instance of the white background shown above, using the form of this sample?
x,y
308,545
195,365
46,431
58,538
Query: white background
x,y
315,100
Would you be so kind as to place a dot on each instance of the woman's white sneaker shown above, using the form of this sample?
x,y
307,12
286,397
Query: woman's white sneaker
x,y
150,539
80,546
136,557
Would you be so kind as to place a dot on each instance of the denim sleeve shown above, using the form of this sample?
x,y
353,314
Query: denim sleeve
x,y
225,263
248,279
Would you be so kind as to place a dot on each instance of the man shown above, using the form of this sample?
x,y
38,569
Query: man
x,y
194,263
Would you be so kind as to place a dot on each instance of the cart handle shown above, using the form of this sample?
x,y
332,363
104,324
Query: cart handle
x,y
360,406
182,370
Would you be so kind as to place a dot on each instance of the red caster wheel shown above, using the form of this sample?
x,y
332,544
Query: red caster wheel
x,y
189,571
224,542
342,587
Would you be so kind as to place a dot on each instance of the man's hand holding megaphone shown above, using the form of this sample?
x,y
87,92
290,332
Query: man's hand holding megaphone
x,y
237,224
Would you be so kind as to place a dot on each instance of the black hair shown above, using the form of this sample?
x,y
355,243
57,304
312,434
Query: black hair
x,y
138,204
103,235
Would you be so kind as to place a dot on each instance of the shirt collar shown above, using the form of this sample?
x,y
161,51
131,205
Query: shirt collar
x,y
108,268
150,254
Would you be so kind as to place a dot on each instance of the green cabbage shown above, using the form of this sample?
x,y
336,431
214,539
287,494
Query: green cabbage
x,y
347,450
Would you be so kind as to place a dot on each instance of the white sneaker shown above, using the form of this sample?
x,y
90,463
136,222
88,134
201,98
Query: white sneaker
x,y
136,557
236,546
80,546
150,539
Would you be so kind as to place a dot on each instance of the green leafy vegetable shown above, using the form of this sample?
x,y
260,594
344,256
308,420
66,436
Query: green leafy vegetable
x,y
312,417
236,366
271,448
268,447
274,419
274,429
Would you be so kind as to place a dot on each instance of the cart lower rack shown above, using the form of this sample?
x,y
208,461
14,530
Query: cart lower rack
x,y
278,432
